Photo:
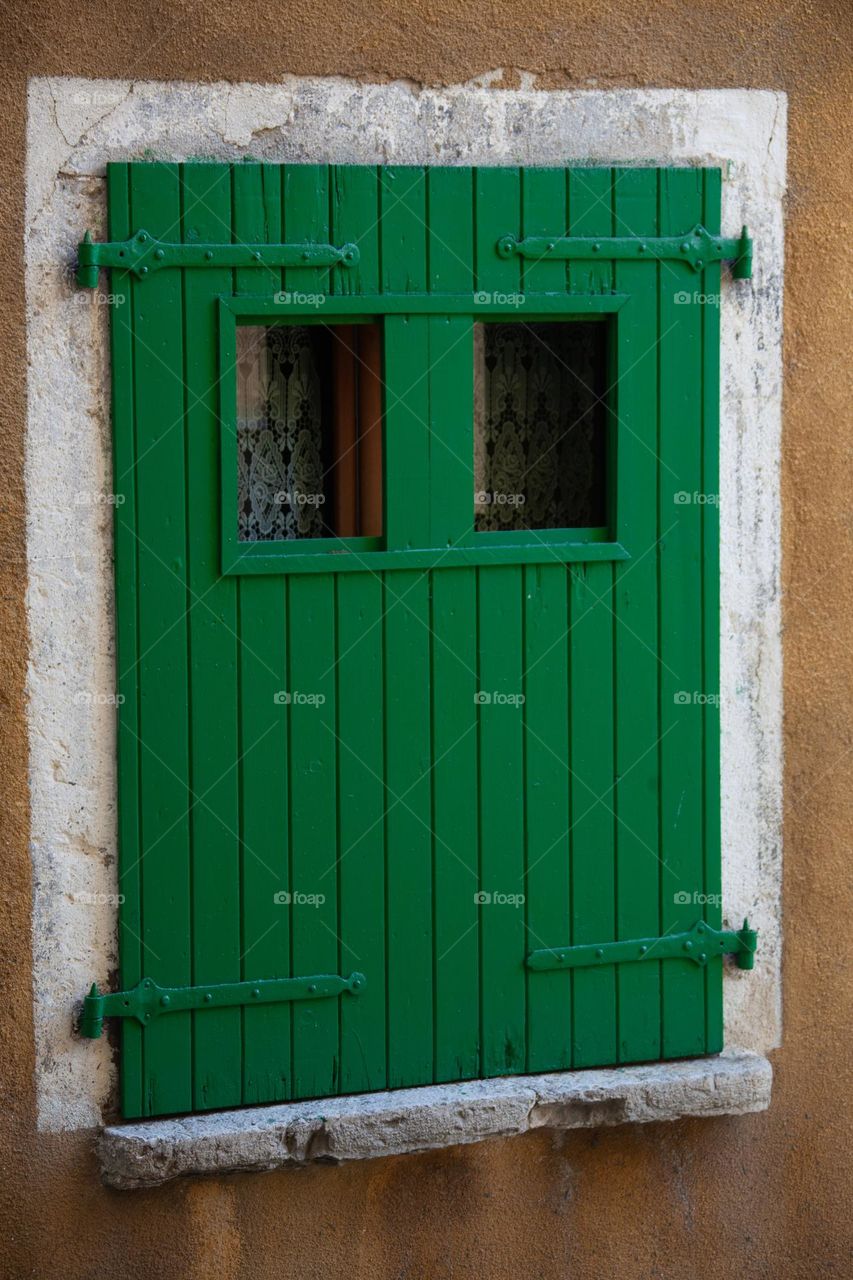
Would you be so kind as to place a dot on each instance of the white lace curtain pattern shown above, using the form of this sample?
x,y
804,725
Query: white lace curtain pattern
x,y
281,480
537,437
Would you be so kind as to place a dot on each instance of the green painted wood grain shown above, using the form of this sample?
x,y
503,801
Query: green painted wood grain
x,y
453,640
454,824
212,664
547,823
313,774
263,759
637,732
360,867
500,641
546,709
592,750
681,634
127,651
711,285
408,829
163,599
360,870
313,741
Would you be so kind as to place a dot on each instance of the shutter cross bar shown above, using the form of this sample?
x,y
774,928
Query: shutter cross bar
x,y
699,944
696,247
142,254
147,1001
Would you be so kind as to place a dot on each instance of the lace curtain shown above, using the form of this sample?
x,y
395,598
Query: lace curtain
x,y
539,431
281,474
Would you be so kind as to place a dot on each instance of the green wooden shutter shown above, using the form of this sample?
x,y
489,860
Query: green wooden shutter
x,y
401,799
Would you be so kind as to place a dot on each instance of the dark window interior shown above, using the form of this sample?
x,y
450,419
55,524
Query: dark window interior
x,y
540,426
309,431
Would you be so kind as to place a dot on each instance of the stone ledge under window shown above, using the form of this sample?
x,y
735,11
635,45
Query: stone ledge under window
x,y
364,1126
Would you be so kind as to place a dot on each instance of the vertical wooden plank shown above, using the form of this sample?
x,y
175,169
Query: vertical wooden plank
x,y
454,823
451,371
711,609
406,637
451,375
497,202
407,440
451,438
355,220
450,242
635,796
683,989
546,714
163,729
402,228
262,746
360,869
593,820
453,642
501,816
408,828
307,205
500,620
403,270
548,888
314,750
543,213
126,547
214,817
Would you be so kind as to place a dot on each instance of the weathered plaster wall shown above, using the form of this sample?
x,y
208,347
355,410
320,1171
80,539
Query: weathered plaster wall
x,y
769,1195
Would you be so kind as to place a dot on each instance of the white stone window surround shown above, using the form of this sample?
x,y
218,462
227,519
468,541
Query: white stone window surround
x,y
74,127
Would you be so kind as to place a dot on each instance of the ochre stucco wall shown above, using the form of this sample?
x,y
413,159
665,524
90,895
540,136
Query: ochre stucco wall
x,y
764,1196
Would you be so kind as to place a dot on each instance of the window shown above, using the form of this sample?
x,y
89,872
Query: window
x,y
540,426
309,432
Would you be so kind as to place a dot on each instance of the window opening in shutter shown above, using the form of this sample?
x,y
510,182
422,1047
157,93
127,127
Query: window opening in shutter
x,y
540,426
309,431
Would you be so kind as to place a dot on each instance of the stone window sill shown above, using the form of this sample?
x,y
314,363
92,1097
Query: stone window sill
x,y
397,1122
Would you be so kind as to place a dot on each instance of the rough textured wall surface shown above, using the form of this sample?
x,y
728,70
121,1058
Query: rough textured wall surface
x,y
768,1195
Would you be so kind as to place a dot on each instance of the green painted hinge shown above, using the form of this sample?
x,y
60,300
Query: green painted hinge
x,y
696,247
699,944
142,254
146,1001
